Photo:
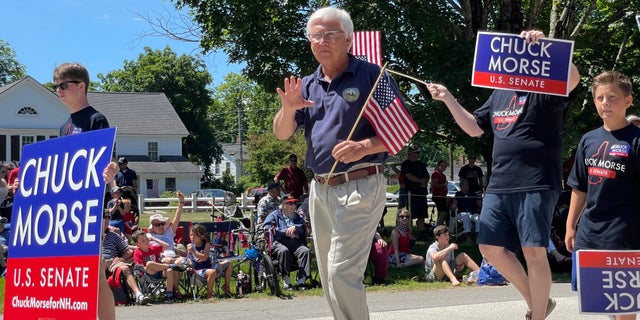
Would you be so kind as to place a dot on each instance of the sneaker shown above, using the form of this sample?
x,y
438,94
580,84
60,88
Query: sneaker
x,y
142,300
178,267
551,304
168,300
287,287
301,287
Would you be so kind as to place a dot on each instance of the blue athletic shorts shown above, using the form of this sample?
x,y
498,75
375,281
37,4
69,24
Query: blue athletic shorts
x,y
515,220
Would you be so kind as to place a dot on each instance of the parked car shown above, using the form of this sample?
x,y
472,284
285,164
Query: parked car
x,y
392,197
221,197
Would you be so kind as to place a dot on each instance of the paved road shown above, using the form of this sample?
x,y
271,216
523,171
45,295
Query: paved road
x,y
476,303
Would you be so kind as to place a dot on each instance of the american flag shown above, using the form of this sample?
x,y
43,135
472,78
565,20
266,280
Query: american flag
x,y
392,122
366,46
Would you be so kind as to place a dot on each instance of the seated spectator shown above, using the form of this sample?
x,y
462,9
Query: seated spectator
x,y
199,258
147,255
440,261
468,207
161,229
402,240
289,234
378,256
117,255
269,202
128,218
303,211
4,243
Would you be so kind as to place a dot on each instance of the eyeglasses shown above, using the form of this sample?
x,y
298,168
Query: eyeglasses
x,y
159,224
328,36
403,217
64,85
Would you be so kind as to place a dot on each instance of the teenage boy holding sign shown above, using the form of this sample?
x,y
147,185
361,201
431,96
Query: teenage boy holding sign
x,y
71,83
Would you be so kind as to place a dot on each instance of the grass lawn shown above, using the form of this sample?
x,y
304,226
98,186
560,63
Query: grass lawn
x,y
398,279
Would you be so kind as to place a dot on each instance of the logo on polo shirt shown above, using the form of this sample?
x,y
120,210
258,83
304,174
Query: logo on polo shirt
x,y
351,94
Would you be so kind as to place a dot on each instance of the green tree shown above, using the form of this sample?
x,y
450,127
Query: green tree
x,y
10,69
241,100
432,40
184,80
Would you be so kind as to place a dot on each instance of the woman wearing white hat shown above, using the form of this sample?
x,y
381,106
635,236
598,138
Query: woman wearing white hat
x,y
161,229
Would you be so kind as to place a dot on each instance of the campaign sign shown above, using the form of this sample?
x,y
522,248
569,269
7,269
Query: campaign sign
x,y
609,281
507,61
56,228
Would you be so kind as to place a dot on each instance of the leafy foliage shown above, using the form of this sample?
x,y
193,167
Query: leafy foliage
x,y
184,80
433,40
10,69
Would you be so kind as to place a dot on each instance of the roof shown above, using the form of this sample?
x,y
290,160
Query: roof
x,y
139,113
143,164
233,149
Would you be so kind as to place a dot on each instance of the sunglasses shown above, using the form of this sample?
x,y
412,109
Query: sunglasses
x,y
64,85
403,217
159,224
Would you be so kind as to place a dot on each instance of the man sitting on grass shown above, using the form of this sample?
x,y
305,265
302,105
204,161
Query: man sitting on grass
x,y
440,261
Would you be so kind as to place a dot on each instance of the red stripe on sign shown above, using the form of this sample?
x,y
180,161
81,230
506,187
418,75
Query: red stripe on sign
x,y
504,81
609,259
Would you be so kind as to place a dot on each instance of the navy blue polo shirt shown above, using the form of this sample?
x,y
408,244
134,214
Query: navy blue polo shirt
x,y
337,105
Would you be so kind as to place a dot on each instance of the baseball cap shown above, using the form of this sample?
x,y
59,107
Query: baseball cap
x,y
158,217
292,200
273,185
123,160
114,189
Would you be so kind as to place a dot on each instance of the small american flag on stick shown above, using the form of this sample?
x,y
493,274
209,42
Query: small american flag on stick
x,y
366,45
392,122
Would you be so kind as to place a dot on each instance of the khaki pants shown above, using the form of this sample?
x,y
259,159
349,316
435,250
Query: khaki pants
x,y
344,220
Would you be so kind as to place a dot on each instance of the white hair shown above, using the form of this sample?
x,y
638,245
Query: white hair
x,y
332,14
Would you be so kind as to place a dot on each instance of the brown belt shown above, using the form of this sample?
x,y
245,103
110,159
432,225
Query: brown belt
x,y
351,175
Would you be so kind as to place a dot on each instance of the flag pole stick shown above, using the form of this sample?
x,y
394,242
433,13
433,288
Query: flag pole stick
x,y
407,76
353,129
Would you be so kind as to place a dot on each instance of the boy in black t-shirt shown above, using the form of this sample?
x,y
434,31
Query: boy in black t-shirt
x,y
606,175
71,83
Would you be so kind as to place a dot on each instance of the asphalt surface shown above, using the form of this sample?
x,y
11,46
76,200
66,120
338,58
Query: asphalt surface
x,y
476,302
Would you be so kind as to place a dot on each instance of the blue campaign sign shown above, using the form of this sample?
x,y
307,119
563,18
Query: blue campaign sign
x,y
506,61
608,281
58,209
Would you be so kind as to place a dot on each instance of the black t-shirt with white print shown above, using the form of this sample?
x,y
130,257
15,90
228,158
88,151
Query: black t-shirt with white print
x,y
607,168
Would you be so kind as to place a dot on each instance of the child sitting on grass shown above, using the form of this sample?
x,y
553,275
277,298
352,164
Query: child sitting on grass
x,y
440,261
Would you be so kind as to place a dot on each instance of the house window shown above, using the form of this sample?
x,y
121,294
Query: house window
x,y
170,184
228,168
217,168
153,151
27,140
27,110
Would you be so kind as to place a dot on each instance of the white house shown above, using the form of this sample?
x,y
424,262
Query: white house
x,y
149,131
230,160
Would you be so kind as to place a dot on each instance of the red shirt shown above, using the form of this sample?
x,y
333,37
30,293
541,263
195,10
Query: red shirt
x,y
13,175
294,181
404,244
129,220
439,177
142,257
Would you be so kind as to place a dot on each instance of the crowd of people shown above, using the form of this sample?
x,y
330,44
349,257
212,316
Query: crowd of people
x,y
345,200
